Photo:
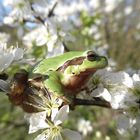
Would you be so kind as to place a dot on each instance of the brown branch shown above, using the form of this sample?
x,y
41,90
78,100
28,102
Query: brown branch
x,y
52,10
100,103
65,47
50,14
38,18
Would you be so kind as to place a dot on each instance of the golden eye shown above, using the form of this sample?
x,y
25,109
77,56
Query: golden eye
x,y
92,56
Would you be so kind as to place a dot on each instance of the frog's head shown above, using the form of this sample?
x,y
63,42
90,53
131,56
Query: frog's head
x,y
78,71
93,61
88,63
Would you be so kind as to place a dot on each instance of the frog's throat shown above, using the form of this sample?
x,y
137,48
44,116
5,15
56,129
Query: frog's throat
x,y
74,83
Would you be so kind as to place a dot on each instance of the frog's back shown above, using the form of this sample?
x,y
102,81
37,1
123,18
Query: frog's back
x,y
54,63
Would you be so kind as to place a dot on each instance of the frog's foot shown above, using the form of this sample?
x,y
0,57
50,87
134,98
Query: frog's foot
x,y
66,101
88,90
71,100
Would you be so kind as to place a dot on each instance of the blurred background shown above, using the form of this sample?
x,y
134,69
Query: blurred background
x,y
110,27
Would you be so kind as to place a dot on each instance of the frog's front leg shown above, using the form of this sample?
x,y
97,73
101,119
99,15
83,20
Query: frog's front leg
x,y
89,88
53,83
54,86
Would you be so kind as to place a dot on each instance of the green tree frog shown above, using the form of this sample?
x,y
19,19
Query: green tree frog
x,y
68,73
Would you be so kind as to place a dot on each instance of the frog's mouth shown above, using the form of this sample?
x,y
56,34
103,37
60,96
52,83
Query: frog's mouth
x,y
90,70
101,62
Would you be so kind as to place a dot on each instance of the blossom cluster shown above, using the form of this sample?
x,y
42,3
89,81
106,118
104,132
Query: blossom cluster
x,y
48,30
9,55
50,122
118,88
122,91
43,23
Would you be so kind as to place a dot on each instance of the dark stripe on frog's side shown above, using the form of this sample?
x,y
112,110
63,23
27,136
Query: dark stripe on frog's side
x,y
75,61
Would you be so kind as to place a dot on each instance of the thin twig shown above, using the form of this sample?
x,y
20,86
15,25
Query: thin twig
x,y
100,103
65,47
51,12
37,17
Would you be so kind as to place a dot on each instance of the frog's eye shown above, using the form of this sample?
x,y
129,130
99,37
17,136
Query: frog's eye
x,y
92,56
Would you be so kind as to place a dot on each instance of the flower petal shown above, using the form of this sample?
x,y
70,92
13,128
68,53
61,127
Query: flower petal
x,y
71,135
54,111
84,126
41,137
18,53
4,86
37,121
102,92
6,60
58,137
127,80
61,115
122,124
106,95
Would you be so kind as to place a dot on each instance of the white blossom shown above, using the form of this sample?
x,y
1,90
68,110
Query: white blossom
x,y
102,92
98,134
36,121
128,124
120,89
128,10
53,129
84,126
20,9
55,51
4,37
42,7
49,104
61,27
94,3
110,5
123,99
136,82
52,34
107,138
97,36
122,124
93,30
9,55
40,36
114,87
46,37
68,8
129,121
109,78
8,20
